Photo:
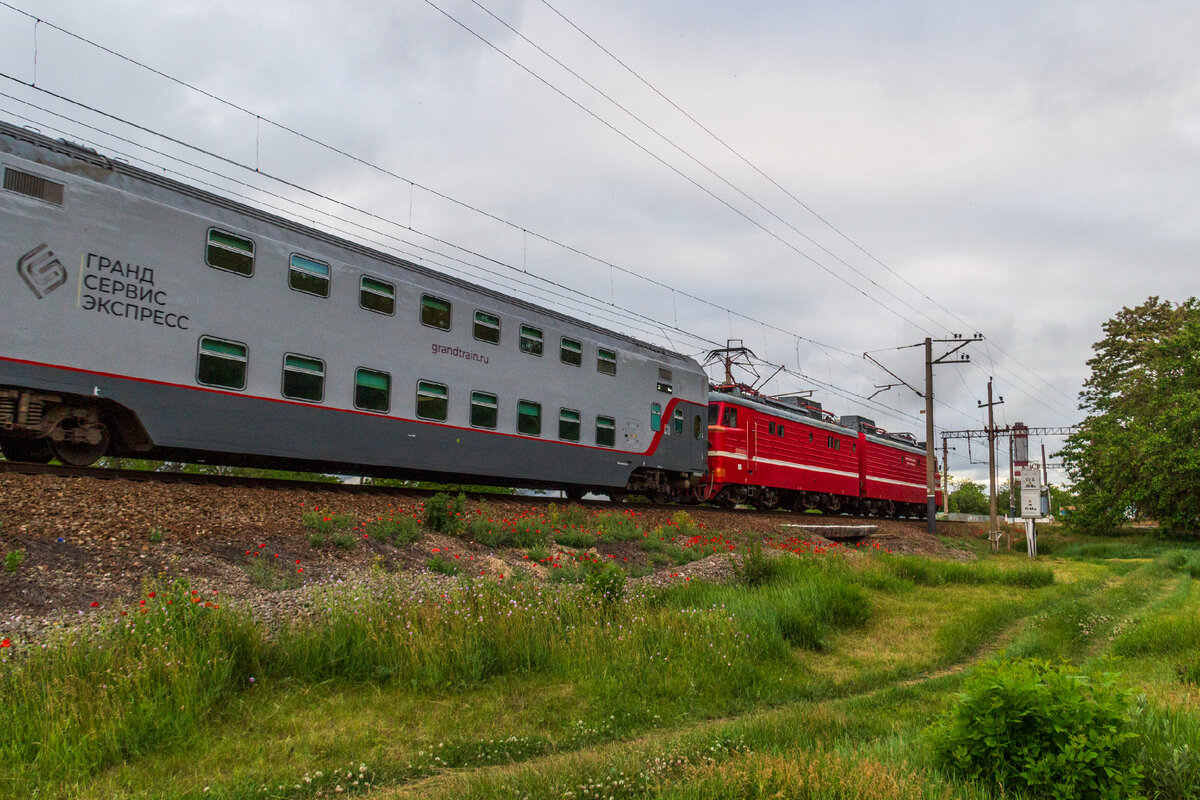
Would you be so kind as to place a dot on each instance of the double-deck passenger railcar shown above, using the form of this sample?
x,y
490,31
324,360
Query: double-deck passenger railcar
x,y
143,317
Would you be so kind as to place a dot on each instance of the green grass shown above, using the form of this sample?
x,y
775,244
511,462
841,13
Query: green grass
x,y
815,682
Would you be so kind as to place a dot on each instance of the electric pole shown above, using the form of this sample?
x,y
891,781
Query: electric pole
x,y
993,528
930,455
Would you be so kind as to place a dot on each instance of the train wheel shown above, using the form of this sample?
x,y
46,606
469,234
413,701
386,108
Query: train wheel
x,y
26,451
658,498
575,493
82,454
766,500
617,495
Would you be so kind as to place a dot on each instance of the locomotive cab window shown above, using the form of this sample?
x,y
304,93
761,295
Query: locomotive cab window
x,y
606,361
221,363
529,418
372,390
230,252
435,312
729,417
308,276
303,378
714,414
655,416
606,431
487,327
432,400
531,340
568,425
484,408
376,295
571,352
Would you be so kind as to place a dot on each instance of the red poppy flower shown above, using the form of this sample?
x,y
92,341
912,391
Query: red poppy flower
x,y
6,643
95,604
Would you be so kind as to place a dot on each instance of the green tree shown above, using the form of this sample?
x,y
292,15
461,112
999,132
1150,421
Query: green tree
x,y
969,498
1138,450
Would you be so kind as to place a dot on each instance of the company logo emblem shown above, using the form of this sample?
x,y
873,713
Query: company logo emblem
x,y
41,271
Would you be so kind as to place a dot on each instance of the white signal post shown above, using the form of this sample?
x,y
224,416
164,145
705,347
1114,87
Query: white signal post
x,y
1031,504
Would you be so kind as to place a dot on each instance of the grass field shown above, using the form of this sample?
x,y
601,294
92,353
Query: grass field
x,y
813,677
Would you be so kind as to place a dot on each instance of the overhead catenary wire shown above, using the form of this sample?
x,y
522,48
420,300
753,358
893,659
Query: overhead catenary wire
x,y
258,118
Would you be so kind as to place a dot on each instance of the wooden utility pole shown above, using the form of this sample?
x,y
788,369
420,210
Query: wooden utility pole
x,y
930,454
993,528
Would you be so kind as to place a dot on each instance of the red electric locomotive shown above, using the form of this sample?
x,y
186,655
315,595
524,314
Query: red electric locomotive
x,y
771,452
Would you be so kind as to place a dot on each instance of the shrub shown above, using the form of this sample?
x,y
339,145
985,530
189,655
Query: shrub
x,y
442,565
1042,729
606,583
758,569
443,515
1170,751
575,537
398,532
13,560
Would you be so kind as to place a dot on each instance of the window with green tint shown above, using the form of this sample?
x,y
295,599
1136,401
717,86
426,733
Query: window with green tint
x,y
677,420
655,416
487,327
435,312
568,425
606,362
484,410
303,378
432,400
221,363
697,427
372,390
606,431
376,295
308,276
529,418
230,252
531,340
572,352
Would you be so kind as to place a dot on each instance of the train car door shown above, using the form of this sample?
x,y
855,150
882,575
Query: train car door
x,y
752,447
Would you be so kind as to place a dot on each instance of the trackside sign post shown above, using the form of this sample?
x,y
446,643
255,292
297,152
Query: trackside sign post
x,y
1031,504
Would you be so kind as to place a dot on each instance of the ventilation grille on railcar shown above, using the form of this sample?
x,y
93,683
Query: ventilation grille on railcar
x,y
32,186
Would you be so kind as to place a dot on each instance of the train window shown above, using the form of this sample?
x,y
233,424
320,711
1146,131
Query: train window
x,y
655,416
571,352
568,425
221,363
771,428
372,390
33,186
714,414
432,400
303,378
531,340
435,312
606,431
376,295
729,418
230,252
779,429
697,427
606,361
529,418
308,276
677,419
487,327
484,408
834,443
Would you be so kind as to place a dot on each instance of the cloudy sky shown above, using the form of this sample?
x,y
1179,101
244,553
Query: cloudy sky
x,y
816,179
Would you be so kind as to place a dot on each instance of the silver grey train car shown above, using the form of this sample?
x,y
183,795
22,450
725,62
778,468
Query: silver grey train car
x,y
145,318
